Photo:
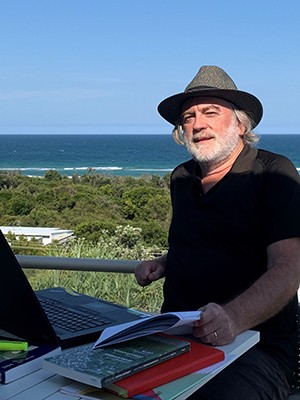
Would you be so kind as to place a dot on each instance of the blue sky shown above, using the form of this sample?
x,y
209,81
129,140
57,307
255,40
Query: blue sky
x,y
74,66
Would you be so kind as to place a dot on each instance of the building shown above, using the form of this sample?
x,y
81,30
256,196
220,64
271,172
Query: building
x,y
43,235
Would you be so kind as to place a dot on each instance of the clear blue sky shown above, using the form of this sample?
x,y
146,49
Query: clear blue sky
x,y
74,65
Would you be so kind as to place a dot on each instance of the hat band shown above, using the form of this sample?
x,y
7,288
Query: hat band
x,y
197,88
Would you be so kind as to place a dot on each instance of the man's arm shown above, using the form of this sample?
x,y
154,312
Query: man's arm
x,y
262,300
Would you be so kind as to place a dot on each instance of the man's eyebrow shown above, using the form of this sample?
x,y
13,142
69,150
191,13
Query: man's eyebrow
x,y
205,108
214,106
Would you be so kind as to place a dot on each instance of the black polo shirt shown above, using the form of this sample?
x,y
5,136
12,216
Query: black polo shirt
x,y
218,239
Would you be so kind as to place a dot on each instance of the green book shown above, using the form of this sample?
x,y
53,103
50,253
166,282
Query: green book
x,y
100,366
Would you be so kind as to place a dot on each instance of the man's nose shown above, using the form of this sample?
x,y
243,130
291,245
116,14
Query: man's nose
x,y
199,122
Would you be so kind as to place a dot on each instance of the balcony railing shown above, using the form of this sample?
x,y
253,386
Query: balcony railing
x,y
77,264
80,264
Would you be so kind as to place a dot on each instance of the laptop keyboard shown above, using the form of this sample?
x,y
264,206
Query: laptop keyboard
x,y
71,320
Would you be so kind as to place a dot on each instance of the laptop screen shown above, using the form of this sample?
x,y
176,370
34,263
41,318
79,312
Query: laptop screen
x,y
20,311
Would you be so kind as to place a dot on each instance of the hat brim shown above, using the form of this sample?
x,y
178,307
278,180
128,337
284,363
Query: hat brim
x,y
170,108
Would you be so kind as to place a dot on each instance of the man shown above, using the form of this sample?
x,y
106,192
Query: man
x,y
234,238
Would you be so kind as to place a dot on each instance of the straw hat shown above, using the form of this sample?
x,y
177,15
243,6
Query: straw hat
x,y
211,81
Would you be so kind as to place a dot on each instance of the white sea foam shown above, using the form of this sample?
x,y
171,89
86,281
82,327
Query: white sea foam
x,y
26,169
107,168
151,169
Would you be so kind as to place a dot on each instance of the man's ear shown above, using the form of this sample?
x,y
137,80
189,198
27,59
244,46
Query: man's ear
x,y
178,134
242,128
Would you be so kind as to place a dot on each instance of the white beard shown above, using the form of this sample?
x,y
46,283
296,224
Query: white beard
x,y
223,145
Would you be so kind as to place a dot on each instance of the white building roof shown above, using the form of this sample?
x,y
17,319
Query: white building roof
x,y
47,235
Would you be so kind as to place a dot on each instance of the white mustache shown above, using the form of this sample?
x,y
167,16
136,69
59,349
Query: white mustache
x,y
199,137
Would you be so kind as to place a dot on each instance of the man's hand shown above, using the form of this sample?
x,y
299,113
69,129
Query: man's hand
x,y
216,326
148,271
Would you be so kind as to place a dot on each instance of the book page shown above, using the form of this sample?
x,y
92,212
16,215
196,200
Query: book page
x,y
166,322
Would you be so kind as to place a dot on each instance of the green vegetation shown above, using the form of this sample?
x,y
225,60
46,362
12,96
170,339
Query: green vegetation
x,y
112,217
88,204
115,287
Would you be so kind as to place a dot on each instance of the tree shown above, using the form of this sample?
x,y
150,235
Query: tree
x,y
52,175
20,204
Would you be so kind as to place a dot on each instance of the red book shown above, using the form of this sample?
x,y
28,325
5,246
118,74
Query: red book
x,y
199,356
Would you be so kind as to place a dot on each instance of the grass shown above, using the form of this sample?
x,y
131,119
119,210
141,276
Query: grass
x,y
120,288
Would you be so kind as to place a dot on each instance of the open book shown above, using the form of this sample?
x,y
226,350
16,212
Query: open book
x,y
172,323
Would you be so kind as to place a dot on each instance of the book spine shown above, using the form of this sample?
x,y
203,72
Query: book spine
x,y
143,365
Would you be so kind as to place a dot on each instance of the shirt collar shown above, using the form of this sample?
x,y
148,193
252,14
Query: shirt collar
x,y
245,160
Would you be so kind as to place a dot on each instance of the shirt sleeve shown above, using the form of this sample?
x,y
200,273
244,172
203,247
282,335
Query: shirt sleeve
x,y
281,200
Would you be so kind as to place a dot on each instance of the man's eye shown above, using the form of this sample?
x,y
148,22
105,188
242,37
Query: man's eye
x,y
187,119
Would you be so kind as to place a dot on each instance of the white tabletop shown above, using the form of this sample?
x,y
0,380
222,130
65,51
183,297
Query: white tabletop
x,y
39,385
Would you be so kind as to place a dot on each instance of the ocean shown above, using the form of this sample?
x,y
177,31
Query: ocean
x,y
116,154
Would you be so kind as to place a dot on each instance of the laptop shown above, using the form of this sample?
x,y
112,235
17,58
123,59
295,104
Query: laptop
x,y
28,314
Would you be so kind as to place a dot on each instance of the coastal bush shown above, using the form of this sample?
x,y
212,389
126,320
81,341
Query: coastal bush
x,y
9,179
79,202
52,175
20,205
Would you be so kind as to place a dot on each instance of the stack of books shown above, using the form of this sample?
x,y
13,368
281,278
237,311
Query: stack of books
x,y
179,389
198,357
131,365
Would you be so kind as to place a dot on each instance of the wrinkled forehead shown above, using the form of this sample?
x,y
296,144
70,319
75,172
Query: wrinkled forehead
x,y
205,101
